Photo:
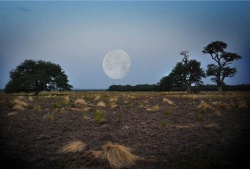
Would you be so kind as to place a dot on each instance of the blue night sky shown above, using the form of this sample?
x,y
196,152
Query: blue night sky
x,y
77,35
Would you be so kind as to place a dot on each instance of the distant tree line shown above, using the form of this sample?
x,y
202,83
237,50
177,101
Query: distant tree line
x,y
194,89
139,87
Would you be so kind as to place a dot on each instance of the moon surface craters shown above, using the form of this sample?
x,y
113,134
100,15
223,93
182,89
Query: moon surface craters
x,y
116,64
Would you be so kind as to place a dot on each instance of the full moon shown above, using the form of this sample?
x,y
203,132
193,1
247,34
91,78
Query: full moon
x,y
116,64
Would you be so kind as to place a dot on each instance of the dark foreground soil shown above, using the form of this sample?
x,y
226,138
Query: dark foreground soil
x,y
167,136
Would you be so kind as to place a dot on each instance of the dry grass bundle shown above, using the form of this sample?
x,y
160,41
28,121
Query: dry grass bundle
x,y
113,99
75,109
223,106
119,156
183,126
37,107
153,108
20,102
97,98
243,104
11,114
19,105
86,108
212,125
217,113
30,98
113,105
95,154
101,104
112,102
80,101
74,146
66,100
204,106
215,103
169,102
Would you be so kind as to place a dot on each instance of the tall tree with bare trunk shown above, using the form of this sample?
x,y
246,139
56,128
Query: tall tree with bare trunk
x,y
220,70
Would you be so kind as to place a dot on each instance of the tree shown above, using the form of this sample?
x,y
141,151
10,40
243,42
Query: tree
x,y
166,83
187,72
37,76
222,58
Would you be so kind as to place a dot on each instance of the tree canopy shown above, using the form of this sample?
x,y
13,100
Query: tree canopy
x,y
220,70
185,73
166,83
37,76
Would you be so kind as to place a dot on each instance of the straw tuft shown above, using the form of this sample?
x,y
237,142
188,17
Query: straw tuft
x,y
118,156
74,146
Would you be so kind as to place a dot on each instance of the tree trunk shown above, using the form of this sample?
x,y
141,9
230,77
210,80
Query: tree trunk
x,y
37,92
188,88
38,89
220,89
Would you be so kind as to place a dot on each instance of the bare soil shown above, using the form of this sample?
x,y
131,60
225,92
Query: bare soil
x,y
182,135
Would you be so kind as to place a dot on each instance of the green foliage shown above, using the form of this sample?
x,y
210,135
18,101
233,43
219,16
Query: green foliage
x,y
168,112
119,120
166,83
30,106
99,115
200,116
129,105
86,115
164,124
56,105
37,76
185,73
50,116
